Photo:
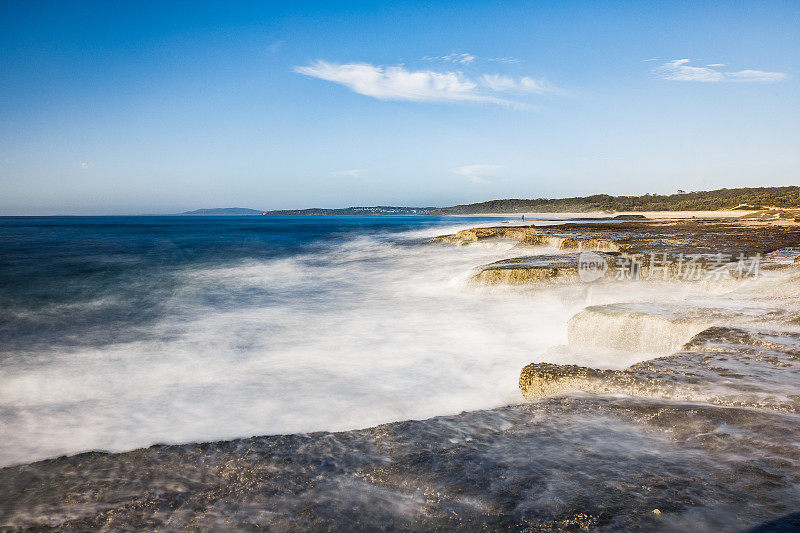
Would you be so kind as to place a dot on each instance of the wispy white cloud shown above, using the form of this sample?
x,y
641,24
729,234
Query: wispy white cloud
x,y
680,70
478,173
463,58
395,83
499,82
353,172
399,83
503,59
756,75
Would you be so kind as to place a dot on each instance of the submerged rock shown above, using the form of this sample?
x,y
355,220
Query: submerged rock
x,y
561,464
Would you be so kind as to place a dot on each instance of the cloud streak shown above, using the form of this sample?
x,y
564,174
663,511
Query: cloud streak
x,y
478,173
526,84
464,58
399,83
680,70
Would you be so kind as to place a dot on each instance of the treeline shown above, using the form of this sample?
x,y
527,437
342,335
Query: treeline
x,y
721,199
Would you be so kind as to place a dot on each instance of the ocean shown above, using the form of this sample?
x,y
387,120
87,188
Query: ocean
x,y
121,332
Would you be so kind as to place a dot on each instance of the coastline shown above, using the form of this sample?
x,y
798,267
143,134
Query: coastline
x,y
642,425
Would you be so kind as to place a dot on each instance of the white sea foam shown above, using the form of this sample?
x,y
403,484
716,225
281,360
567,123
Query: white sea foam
x,y
365,332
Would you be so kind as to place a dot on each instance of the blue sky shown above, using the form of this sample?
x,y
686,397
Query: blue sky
x,y
115,107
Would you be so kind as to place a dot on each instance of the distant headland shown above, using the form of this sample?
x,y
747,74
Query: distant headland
x,y
219,211
376,210
752,199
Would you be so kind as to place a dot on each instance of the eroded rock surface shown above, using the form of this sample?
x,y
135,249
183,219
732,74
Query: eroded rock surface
x,y
643,250
567,463
540,268
720,365
704,236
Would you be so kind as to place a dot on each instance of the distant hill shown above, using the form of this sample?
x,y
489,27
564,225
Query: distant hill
x,y
721,199
222,211
377,210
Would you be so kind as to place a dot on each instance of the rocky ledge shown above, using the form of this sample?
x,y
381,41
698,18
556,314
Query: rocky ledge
x,y
703,236
564,268
720,365
568,463
645,250
527,236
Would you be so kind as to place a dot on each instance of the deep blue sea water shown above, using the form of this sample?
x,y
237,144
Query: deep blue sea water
x,y
86,280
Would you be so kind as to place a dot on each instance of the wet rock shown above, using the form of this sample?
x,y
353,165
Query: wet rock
x,y
720,365
731,236
784,524
535,239
601,266
709,251
467,236
646,328
660,328
539,380
526,236
563,268
559,464
574,243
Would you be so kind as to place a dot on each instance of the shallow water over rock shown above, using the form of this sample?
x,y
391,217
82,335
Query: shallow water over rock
x,y
573,462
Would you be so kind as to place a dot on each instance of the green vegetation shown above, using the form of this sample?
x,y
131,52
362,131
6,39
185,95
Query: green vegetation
x,y
721,199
